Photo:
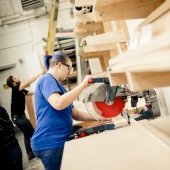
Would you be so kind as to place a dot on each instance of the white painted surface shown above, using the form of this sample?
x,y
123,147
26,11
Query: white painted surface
x,y
23,40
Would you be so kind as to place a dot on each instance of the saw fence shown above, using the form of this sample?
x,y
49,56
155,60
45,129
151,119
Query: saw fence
x,y
102,31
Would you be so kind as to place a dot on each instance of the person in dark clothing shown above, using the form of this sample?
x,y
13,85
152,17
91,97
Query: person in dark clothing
x,y
18,109
10,151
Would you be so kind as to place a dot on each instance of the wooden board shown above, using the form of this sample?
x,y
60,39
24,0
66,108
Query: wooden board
x,y
128,148
161,10
106,38
124,10
89,17
80,3
93,54
96,48
148,80
30,108
88,27
159,127
117,79
145,67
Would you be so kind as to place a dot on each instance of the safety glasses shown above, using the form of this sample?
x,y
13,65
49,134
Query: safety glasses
x,y
70,68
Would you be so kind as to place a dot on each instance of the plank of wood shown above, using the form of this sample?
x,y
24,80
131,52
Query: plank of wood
x,y
144,50
151,71
145,67
117,79
100,3
92,54
159,127
80,3
95,48
49,49
88,27
109,27
148,80
135,147
124,10
84,30
161,25
106,38
122,25
30,108
80,35
154,61
85,18
161,10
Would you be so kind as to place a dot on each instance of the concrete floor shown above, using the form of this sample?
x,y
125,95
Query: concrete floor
x,y
34,164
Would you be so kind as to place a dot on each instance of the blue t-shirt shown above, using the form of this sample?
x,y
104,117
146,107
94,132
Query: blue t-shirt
x,y
53,126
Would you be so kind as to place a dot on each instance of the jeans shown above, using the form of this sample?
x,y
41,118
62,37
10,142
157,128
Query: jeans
x,y
26,128
51,158
11,159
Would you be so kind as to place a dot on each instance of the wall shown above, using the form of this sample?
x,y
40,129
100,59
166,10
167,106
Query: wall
x,y
22,43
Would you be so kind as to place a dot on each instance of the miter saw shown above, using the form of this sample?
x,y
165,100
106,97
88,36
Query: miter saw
x,y
103,100
109,101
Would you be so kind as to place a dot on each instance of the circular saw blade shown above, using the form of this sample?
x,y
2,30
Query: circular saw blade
x,y
109,111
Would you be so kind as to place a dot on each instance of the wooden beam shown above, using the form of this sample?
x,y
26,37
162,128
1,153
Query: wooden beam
x,y
83,35
80,3
117,79
30,108
144,50
161,10
148,80
124,10
52,27
106,38
89,17
95,48
108,27
161,24
84,30
93,54
88,27
100,3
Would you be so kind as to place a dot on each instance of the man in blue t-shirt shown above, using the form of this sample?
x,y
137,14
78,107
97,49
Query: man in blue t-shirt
x,y
54,111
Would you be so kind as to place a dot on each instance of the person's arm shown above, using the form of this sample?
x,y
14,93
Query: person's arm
x,y
83,116
60,102
28,82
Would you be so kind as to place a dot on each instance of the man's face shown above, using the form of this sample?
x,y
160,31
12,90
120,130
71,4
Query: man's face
x,y
16,81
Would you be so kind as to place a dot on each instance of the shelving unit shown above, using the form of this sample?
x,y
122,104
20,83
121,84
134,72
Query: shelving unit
x,y
141,67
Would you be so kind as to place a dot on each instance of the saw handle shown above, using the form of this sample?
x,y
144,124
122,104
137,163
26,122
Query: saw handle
x,y
99,80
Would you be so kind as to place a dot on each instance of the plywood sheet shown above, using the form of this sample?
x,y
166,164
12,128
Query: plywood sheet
x,y
122,149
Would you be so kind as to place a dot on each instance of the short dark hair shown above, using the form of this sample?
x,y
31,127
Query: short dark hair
x,y
55,58
10,81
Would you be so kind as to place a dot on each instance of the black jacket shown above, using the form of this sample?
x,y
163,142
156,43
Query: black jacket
x,y
7,133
